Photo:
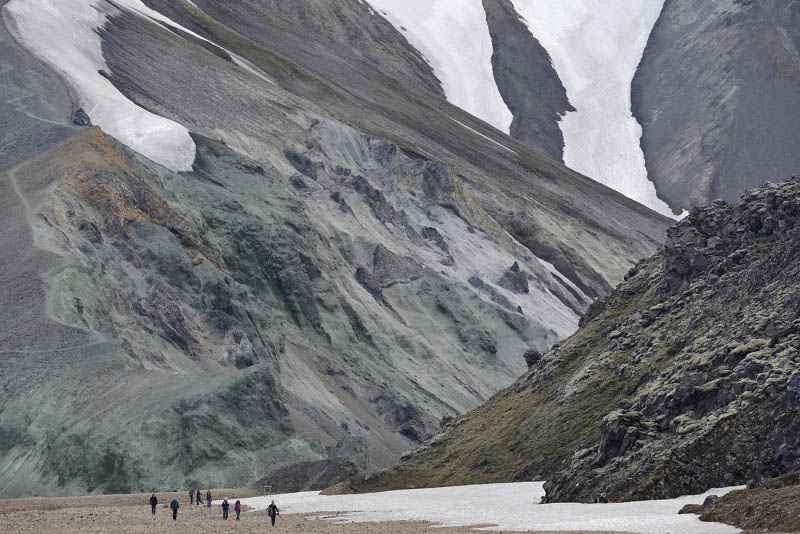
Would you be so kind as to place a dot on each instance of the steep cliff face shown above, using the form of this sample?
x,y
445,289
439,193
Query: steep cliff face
x,y
347,260
718,98
685,378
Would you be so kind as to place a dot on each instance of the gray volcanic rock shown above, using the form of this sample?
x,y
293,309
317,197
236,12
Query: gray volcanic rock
x,y
514,279
345,31
724,313
80,118
718,98
527,81
189,328
686,378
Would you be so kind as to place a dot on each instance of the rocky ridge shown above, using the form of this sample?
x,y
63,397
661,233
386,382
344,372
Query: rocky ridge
x,y
685,378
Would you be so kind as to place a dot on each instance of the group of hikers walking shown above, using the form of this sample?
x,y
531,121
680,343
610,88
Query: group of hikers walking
x,y
199,494
195,497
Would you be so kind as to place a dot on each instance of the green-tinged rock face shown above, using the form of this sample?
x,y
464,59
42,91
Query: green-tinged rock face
x,y
684,379
344,265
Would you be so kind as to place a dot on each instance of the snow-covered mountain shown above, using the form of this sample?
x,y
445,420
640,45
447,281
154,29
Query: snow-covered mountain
x,y
719,78
595,47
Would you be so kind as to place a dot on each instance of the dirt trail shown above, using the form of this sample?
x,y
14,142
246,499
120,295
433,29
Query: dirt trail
x,y
130,514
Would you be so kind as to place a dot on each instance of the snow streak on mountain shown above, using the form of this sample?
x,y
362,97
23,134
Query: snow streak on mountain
x,y
595,47
63,33
454,37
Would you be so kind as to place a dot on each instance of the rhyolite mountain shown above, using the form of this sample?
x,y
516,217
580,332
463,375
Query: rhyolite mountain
x,y
685,378
346,259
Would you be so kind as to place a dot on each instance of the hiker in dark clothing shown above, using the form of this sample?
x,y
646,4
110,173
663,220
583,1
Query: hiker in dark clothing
x,y
208,498
273,511
238,509
197,495
154,503
225,507
191,496
174,505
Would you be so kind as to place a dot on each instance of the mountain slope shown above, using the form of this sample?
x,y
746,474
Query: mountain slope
x,y
684,379
715,123
527,81
348,259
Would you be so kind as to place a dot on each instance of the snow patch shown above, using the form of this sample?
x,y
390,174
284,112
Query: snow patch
x,y
453,36
509,506
63,34
596,46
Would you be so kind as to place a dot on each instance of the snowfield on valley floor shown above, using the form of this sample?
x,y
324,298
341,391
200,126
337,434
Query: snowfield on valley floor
x,y
512,506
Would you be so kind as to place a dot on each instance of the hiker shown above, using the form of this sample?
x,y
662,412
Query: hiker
x,y
208,498
197,499
191,496
273,511
154,503
225,506
238,509
174,505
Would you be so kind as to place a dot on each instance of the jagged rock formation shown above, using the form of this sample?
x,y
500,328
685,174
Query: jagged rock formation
x,y
716,123
687,377
303,292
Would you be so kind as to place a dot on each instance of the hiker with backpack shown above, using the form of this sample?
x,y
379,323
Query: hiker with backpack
x,y
273,511
174,505
225,507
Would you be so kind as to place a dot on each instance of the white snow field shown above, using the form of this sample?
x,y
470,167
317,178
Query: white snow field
x,y
596,46
62,34
454,37
509,506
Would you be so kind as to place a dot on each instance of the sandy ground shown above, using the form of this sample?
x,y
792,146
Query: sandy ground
x,y
131,514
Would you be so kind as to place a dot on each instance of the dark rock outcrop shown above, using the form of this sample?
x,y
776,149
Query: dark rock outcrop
x,y
514,279
80,118
532,357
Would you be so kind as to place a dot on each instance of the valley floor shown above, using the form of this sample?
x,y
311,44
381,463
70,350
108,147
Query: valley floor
x,y
459,510
130,514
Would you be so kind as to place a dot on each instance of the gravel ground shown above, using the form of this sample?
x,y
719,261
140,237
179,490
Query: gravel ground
x,y
130,514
